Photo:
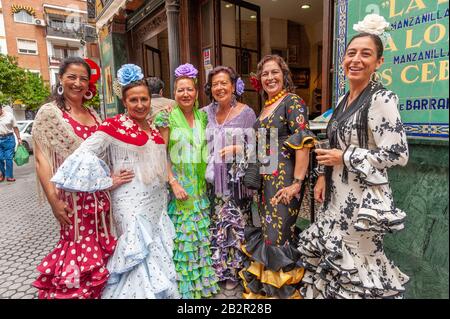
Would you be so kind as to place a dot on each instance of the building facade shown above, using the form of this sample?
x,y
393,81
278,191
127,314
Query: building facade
x,y
41,33
311,35
3,48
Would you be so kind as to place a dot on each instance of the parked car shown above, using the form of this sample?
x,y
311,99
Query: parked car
x,y
25,134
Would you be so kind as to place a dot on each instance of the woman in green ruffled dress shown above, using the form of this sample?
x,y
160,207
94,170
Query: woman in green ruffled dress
x,y
184,130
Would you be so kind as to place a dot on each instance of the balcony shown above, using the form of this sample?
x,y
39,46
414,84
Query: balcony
x,y
55,60
64,32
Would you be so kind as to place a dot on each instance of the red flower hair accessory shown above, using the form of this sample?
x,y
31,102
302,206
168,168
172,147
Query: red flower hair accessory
x,y
255,83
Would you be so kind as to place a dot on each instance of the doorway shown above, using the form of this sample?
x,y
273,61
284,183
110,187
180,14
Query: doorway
x,y
155,59
238,33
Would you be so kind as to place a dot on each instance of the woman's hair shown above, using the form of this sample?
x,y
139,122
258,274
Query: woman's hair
x,y
220,69
194,81
376,40
288,84
59,99
134,84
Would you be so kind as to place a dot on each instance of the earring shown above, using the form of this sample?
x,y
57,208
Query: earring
x,y
375,77
89,95
60,90
233,100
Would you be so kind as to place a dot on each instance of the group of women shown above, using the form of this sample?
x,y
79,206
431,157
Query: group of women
x,y
123,235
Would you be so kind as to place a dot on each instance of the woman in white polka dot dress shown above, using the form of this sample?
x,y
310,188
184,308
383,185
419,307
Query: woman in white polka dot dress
x,y
141,266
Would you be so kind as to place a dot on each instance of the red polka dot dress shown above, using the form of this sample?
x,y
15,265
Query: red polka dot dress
x,y
76,268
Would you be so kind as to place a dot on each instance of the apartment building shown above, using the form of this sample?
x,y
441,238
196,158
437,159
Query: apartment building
x,y
41,33
3,49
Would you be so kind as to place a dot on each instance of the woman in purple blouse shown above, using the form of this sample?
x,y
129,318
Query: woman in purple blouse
x,y
230,137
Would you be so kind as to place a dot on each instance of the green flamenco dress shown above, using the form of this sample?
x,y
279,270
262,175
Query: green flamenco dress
x,y
192,254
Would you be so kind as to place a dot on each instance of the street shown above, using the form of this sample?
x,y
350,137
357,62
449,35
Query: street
x,y
28,232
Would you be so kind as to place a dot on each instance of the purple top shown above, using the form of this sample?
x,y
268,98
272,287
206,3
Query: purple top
x,y
234,131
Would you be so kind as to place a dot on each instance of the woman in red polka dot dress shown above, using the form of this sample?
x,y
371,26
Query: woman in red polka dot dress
x,y
76,268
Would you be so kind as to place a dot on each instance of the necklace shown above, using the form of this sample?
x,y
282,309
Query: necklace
x,y
276,98
226,118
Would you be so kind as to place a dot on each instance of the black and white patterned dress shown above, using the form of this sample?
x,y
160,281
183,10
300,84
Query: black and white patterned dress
x,y
343,249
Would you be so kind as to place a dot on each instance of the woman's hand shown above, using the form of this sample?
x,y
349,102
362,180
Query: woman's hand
x,y
319,189
125,176
331,157
230,150
286,194
61,211
179,191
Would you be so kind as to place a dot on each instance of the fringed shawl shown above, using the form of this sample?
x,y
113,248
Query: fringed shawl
x,y
54,137
129,147
341,114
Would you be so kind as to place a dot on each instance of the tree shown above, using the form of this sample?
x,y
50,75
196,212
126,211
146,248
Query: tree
x,y
12,78
95,101
18,84
35,92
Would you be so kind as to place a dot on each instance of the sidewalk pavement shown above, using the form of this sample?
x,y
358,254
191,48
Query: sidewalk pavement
x,y
28,232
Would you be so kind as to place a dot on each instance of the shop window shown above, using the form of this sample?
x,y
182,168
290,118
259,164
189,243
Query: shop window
x,y
23,17
27,46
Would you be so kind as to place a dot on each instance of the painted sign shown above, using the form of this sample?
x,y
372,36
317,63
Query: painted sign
x,y
108,71
416,64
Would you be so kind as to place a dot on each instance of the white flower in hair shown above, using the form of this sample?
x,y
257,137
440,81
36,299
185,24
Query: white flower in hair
x,y
373,24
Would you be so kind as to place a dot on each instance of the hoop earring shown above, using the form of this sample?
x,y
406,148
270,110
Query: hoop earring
x,y
60,90
89,95
375,77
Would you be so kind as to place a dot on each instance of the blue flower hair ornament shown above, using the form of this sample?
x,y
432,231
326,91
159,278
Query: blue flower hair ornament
x,y
127,74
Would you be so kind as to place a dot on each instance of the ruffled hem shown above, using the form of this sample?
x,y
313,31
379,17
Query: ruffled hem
x,y
226,240
379,220
203,287
142,266
83,172
334,272
192,255
272,257
134,245
355,159
274,272
302,139
266,284
75,270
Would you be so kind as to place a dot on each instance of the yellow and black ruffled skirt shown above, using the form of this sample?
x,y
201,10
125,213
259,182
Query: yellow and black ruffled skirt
x,y
270,271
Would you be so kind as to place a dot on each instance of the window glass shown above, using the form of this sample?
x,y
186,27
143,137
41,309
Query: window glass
x,y
27,46
230,26
23,16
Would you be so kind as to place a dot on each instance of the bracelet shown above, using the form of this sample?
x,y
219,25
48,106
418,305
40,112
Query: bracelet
x,y
298,181
173,179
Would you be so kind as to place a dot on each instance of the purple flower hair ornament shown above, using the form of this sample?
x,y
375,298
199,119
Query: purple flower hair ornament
x,y
240,87
129,73
186,70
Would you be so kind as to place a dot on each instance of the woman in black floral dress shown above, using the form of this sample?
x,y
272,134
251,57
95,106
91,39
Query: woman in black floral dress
x,y
343,250
283,148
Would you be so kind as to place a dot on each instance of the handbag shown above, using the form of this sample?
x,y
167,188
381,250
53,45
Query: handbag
x,y
252,178
21,156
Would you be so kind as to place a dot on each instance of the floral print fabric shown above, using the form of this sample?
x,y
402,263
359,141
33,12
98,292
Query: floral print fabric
x,y
343,250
